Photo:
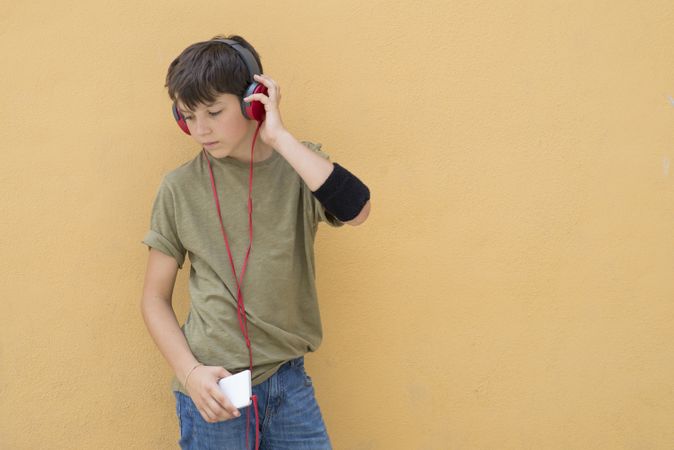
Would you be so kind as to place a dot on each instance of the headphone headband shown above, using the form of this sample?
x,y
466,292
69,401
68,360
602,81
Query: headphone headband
x,y
245,54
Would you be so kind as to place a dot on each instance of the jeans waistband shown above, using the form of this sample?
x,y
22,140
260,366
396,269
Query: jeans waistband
x,y
296,362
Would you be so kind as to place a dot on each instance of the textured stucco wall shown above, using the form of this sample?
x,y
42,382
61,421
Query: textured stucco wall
x,y
512,288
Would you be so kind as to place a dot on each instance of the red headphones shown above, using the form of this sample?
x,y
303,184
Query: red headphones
x,y
251,110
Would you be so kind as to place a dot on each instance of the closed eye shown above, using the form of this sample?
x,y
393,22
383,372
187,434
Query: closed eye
x,y
212,114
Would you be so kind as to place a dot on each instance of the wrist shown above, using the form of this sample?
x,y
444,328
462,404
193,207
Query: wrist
x,y
190,372
185,370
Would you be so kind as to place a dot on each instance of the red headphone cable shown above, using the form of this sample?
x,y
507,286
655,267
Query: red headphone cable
x,y
241,310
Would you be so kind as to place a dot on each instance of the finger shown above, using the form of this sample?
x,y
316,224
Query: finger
x,y
272,87
224,403
264,79
259,97
214,412
207,414
209,410
218,411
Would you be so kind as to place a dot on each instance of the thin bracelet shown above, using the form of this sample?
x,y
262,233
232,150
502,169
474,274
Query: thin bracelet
x,y
190,373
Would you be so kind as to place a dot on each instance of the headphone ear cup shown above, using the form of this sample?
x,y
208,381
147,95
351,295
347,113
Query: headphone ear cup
x,y
180,119
254,110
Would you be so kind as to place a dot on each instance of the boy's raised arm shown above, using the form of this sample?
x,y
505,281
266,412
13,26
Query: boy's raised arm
x,y
338,190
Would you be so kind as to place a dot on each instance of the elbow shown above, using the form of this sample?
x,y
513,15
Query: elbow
x,y
362,216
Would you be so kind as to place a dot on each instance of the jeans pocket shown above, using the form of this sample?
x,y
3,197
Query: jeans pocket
x,y
183,422
307,379
180,420
175,394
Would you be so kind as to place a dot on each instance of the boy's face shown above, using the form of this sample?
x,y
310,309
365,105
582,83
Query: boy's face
x,y
219,127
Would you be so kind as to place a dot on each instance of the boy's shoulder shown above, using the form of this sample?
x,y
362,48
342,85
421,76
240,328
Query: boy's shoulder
x,y
181,174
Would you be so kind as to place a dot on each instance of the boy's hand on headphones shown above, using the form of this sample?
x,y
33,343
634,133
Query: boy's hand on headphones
x,y
212,403
272,127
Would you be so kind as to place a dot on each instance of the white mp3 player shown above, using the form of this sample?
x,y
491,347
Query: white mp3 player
x,y
237,388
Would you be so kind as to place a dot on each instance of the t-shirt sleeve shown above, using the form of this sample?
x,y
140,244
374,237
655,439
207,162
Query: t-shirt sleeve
x,y
163,232
320,214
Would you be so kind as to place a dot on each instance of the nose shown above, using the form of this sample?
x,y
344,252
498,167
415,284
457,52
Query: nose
x,y
201,127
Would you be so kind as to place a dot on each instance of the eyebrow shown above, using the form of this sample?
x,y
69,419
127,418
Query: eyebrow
x,y
207,104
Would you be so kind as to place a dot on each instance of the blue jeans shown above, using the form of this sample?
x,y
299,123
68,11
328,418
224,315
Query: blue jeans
x,y
289,417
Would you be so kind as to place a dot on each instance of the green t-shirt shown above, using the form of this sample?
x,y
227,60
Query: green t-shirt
x,y
279,289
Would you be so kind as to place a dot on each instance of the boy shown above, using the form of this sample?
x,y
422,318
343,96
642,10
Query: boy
x,y
205,200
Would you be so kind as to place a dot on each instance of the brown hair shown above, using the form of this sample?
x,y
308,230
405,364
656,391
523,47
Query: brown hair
x,y
207,69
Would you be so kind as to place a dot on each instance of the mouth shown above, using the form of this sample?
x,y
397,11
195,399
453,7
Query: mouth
x,y
208,144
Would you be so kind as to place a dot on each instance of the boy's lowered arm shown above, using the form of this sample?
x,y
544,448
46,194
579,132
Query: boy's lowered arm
x,y
333,185
160,319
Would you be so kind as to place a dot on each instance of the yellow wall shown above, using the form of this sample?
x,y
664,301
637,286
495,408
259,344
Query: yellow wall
x,y
512,288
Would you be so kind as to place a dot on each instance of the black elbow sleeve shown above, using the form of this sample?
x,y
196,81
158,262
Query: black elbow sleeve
x,y
342,194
